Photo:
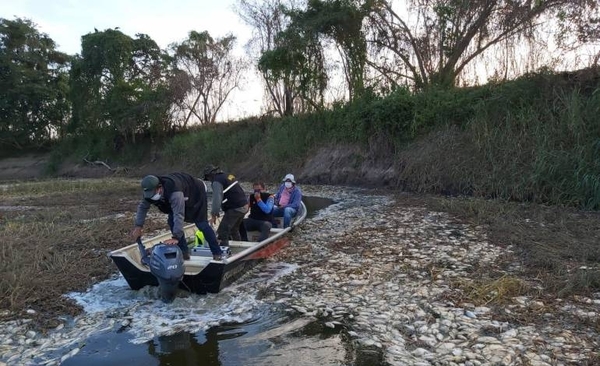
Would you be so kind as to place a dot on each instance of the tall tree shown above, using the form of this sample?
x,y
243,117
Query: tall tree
x,y
579,28
118,86
436,39
268,19
208,72
33,85
299,63
342,22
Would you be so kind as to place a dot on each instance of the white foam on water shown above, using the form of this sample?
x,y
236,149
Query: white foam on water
x,y
149,317
191,313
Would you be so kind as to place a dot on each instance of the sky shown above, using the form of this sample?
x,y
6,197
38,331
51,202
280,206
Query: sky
x,y
65,21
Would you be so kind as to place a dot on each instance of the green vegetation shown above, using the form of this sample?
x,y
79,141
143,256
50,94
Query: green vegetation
x,y
534,139
124,100
540,138
33,86
118,91
118,87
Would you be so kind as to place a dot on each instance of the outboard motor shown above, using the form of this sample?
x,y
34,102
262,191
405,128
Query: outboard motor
x,y
166,264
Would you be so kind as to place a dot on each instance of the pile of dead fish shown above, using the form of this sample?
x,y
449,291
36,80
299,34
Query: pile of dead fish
x,y
395,279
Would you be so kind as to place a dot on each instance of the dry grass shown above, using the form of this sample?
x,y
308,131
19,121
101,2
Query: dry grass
x,y
492,291
58,186
55,236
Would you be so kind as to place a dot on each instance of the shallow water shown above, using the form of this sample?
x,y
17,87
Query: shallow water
x,y
229,328
233,327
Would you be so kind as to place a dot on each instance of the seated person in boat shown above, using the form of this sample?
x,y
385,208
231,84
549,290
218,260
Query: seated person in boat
x,y
261,211
183,198
230,197
287,200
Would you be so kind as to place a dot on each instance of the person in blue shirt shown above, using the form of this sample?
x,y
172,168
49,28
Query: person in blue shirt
x,y
287,200
261,211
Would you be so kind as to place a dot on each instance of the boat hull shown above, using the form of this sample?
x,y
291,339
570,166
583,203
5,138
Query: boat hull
x,y
213,276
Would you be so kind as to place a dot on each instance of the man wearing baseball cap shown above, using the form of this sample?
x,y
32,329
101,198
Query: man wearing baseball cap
x,y
183,198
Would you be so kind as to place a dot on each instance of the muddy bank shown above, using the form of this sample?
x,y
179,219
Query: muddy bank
x,y
344,165
23,168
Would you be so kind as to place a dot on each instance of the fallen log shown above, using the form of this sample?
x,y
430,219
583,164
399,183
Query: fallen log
x,y
98,162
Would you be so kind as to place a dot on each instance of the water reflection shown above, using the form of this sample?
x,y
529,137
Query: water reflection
x,y
274,339
186,349
314,204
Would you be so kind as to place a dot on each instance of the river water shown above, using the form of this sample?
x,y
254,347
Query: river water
x,y
233,327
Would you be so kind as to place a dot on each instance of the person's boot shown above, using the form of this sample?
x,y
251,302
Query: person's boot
x,y
217,257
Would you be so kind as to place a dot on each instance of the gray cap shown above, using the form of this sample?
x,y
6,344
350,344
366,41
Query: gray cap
x,y
211,169
149,185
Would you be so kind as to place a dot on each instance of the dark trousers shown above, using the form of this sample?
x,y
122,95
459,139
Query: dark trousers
x,y
258,225
208,232
230,226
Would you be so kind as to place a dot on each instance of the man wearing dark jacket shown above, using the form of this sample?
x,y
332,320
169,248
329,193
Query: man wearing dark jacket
x,y
183,198
261,211
228,196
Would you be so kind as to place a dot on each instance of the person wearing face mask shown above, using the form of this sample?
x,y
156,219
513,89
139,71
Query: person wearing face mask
x,y
287,200
261,211
183,198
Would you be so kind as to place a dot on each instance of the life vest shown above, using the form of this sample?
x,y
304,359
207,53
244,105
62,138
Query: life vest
x,y
193,190
199,240
233,194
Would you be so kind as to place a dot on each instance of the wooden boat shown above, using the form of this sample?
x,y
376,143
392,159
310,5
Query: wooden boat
x,y
202,273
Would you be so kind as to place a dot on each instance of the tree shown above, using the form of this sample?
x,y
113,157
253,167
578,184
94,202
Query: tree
x,y
298,62
579,28
268,19
292,44
444,36
33,86
341,21
207,72
118,85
